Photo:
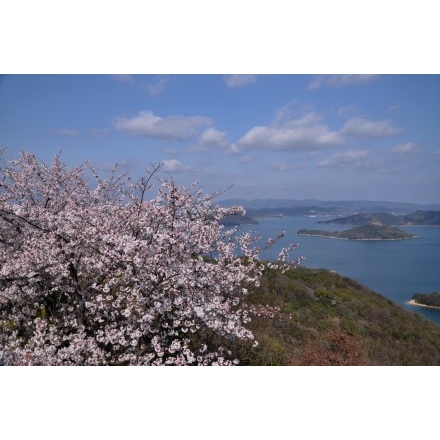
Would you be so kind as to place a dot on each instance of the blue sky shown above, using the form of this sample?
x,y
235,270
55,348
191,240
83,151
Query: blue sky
x,y
332,137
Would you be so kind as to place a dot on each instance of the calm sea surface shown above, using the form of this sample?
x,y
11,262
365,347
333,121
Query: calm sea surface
x,y
395,269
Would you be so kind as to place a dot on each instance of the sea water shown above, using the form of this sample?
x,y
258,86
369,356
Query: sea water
x,y
396,269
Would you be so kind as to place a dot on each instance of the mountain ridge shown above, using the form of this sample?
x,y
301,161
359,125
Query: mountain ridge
x,y
347,205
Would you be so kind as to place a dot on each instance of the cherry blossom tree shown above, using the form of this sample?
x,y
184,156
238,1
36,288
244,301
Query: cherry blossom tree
x,y
112,271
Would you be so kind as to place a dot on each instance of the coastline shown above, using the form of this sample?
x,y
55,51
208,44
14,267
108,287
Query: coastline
x,y
359,239
414,303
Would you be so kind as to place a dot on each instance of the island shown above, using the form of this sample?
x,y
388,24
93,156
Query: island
x,y
431,300
364,232
427,218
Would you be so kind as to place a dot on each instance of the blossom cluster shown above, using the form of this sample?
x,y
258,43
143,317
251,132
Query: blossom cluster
x,y
267,311
113,271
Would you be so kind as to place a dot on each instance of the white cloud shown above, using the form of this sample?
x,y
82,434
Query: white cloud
x,y
340,80
66,132
310,133
172,165
362,128
233,81
309,119
409,147
214,138
172,127
285,133
156,87
284,113
234,149
300,137
347,160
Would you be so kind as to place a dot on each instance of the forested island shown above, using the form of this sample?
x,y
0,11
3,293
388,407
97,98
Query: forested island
x,y
364,232
426,299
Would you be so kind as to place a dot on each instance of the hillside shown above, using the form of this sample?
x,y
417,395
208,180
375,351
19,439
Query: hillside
x,y
422,218
315,317
364,232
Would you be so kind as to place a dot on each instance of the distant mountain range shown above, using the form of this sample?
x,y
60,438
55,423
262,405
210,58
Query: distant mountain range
x,y
355,212
320,206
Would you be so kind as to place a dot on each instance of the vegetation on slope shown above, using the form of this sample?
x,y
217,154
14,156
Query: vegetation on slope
x,y
422,218
315,317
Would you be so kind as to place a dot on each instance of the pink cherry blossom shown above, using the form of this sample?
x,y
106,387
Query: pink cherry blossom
x,y
114,271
